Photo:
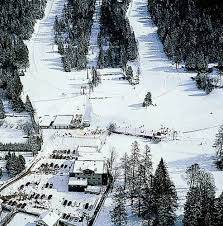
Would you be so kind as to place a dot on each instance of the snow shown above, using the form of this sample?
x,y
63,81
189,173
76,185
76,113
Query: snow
x,y
93,51
98,167
51,90
49,218
46,120
63,120
22,219
78,182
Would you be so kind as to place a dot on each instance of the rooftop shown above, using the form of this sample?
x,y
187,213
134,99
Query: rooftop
x,y
46,120
73,181
62,120
49,218
97,166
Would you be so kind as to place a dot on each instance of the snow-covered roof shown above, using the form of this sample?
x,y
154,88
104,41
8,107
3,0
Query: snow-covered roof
x,y
49,218
62,120
46,120
87,149
90,156
73,181
97,166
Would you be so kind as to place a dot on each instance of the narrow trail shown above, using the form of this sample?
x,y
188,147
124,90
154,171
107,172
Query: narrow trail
x,y
93,48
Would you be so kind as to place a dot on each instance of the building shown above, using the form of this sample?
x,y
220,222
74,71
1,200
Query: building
x,y
94,172
76,184
46,121
63,121
48,219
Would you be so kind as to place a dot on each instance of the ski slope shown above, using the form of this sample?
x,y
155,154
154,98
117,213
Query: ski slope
x,y
51,90
180,106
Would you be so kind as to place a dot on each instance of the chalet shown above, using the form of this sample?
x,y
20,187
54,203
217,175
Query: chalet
x,y
48,219
88,172
46,121
63,121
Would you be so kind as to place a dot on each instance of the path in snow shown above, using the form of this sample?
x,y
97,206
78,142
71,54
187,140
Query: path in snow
x,y
95,29
48,86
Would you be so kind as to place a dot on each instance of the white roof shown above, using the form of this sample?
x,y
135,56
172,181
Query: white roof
x,y
87,149
90,156
46,120
49,218
97,166
62,120
78,182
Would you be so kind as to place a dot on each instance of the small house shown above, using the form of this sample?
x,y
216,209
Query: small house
x,y
48,219
63,121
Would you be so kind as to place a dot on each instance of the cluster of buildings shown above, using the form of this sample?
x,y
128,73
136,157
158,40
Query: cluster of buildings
x,y
87,173
88,170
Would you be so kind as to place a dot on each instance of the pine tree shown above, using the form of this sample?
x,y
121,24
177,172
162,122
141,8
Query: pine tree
x,y
132,176
218,145
164,196
199,206
218,211
148,100
28,105
129,73
2,111
118,214
14,164
125,166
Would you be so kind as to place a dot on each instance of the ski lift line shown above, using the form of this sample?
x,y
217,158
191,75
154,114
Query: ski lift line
x,y
54,99
197,130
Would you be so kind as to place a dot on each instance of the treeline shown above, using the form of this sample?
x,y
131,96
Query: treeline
x,y
14,164
116,39
17,19
152,196
33,144
72,33
191,31
202,208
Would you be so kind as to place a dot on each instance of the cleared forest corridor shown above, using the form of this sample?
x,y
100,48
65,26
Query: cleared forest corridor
x,y
95,29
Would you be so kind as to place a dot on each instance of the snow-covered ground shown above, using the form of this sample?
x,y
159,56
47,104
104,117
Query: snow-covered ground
x,y
22,219
180,106
51,90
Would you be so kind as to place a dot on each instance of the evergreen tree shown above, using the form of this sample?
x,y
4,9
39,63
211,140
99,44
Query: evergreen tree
x,y
218,211
199,206
164,197
118,214
125,166
28,105
14,164
2,111
129,73
148,100
218,145
134,162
